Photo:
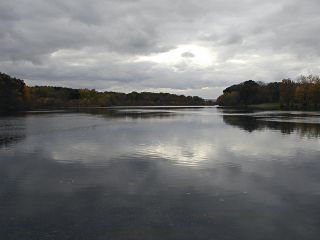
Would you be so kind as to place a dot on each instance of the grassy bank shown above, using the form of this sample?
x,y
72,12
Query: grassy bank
x,y
265,106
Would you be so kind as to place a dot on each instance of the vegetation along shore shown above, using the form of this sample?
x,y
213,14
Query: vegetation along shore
x,y
302,94
16,95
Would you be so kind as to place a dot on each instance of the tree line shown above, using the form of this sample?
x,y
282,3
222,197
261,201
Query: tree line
x,y
16,95
303,93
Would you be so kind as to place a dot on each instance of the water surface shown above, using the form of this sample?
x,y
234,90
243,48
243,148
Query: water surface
x,y
160,173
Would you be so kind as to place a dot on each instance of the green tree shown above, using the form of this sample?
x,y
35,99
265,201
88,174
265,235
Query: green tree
x,y
287,92
12,93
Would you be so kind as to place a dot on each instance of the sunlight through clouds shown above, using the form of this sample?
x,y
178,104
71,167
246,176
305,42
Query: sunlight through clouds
x,y
200,47
189,54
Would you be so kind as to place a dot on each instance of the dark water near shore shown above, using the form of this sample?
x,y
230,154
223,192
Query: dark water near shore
x,y
160,173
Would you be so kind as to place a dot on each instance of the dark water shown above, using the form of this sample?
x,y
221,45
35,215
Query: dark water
x,y
160,174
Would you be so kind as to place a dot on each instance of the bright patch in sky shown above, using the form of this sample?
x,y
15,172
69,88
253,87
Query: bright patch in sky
x,y
114,45
190,54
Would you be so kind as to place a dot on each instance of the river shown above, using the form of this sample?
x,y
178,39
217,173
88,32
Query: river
x,y
160,173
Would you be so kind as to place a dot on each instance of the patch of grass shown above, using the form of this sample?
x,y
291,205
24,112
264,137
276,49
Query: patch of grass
x,y
265,106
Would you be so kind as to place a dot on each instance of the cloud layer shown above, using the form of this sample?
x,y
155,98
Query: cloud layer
x,y
184,46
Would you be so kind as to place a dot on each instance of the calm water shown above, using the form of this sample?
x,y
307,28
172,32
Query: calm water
x,y
157,173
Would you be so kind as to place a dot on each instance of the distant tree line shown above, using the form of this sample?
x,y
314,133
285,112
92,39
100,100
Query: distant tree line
x,y
15,95
304,93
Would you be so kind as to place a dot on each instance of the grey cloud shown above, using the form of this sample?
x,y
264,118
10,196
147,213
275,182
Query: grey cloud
x,y
95,44
187,55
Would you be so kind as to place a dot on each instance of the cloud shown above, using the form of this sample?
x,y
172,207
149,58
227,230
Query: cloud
x,y
187,55
96,44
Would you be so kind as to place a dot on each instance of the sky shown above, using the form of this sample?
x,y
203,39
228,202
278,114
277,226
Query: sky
x,y
191,47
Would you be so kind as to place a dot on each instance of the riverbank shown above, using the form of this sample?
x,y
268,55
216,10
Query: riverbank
x,y
265,106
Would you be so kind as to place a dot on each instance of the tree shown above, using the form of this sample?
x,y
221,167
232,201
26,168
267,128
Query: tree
x,y
287,92
12,92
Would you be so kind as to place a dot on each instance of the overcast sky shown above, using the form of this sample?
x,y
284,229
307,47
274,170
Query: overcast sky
x,y
188,47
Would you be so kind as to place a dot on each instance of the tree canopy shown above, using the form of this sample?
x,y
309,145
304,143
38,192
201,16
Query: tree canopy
x,y
15,95
250,92
12,93
304,93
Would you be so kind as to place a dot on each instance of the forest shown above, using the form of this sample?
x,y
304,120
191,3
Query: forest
x,y
300,94
16,95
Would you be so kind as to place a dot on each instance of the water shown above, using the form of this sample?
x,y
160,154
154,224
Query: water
x,y
160,173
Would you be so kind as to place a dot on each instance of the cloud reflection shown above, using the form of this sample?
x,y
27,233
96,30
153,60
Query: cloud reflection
x,y
188,176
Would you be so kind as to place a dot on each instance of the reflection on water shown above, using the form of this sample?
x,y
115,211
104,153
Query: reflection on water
x,y
132,113
11,131
157,173
305,125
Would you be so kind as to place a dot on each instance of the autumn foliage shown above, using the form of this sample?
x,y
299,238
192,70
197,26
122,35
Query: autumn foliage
x,y
303,93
